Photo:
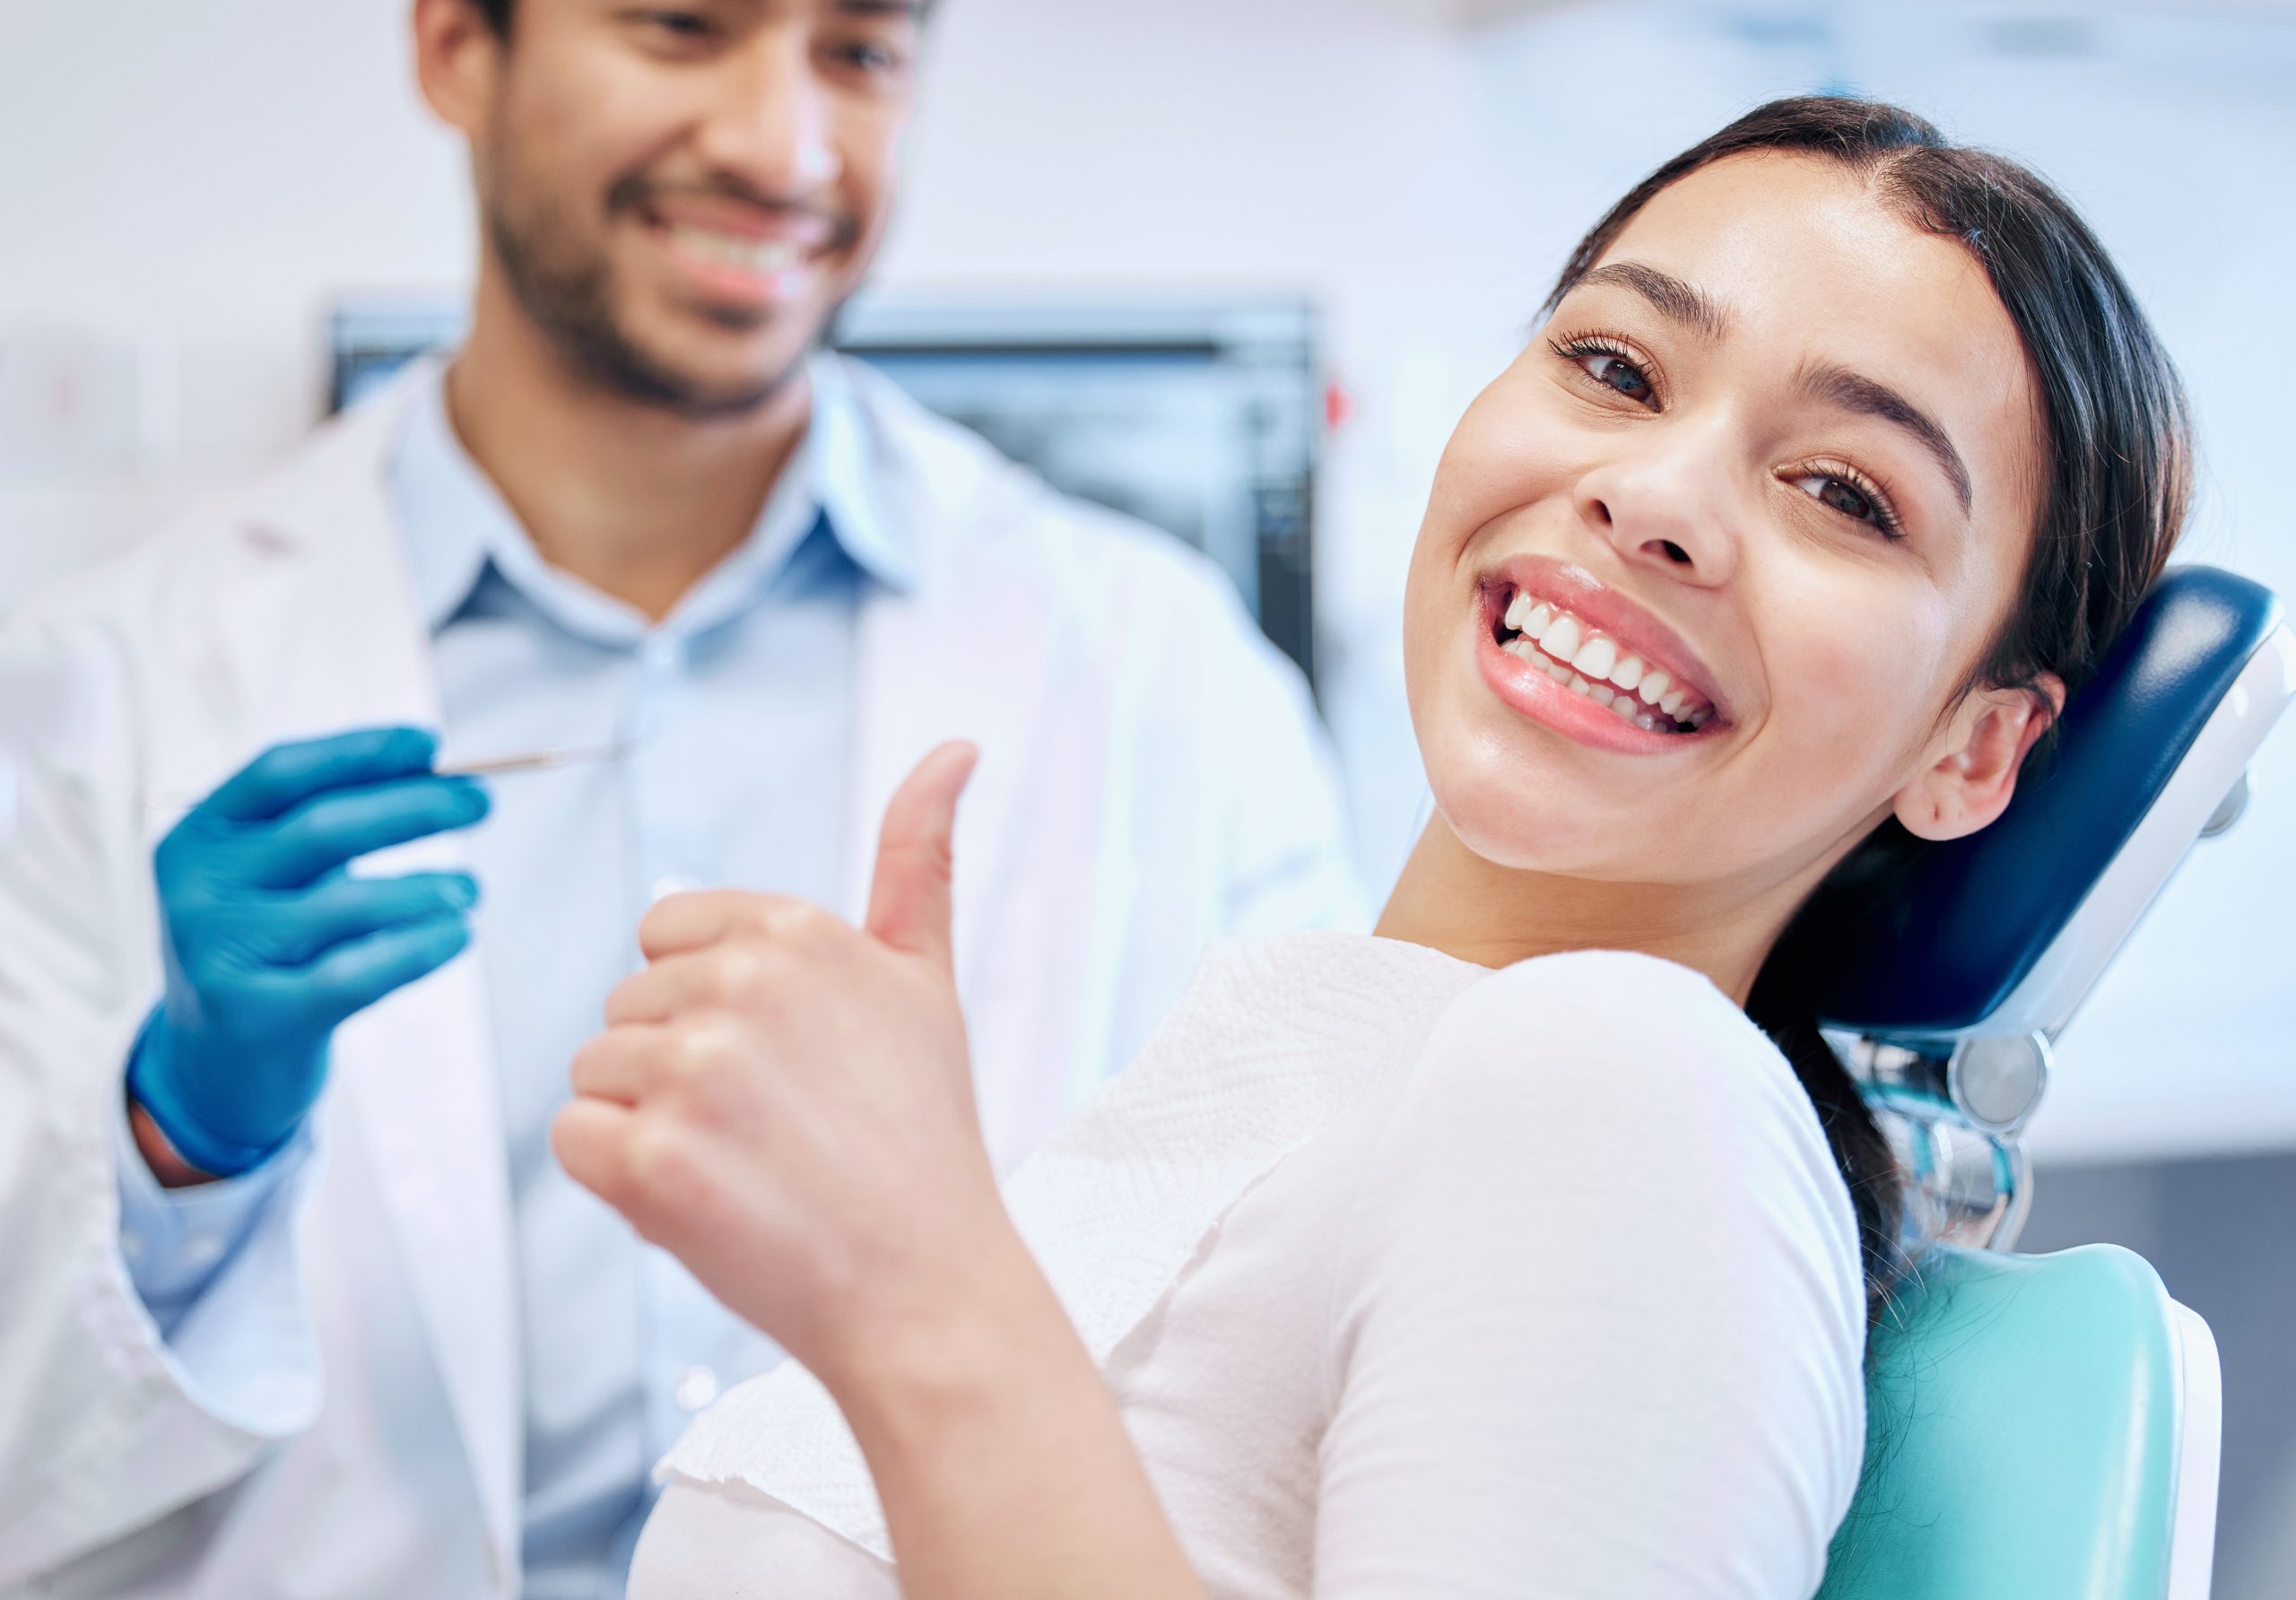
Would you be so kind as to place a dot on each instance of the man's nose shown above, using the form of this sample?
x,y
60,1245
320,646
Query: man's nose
x,y
774,129
1673,502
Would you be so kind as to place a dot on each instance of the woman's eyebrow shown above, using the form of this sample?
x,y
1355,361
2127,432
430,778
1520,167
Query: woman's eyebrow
x,y
1685,303
1855,392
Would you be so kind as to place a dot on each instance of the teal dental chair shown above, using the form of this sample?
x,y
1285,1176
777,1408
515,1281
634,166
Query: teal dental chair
x,y
2041,1427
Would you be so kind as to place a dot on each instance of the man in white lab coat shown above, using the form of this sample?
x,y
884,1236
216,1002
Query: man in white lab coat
x,y
395,1352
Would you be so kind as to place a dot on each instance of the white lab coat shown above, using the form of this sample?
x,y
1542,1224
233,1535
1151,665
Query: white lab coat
x,y
1149,777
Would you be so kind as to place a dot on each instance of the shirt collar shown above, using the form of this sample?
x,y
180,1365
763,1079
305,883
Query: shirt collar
x,y
848,483
457,526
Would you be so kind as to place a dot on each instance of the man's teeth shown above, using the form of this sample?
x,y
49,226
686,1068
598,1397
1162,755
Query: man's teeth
x,y
1591,664
763,256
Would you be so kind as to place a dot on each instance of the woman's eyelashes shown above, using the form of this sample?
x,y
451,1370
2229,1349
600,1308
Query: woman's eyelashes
x,y
1843,489
1608,364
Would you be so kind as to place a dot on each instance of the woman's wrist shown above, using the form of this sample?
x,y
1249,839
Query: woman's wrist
x,y
986,1341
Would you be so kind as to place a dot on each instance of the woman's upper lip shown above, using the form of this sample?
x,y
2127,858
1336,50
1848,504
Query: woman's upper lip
x,y
1634,626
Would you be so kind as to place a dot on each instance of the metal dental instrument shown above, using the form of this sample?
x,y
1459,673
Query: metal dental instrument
x,y
529,761
537,761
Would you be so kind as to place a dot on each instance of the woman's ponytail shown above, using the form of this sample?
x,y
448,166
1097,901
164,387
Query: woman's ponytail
x,y
1783,1005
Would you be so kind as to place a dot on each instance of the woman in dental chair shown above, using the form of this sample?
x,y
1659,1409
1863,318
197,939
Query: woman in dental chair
x,y
1529,1246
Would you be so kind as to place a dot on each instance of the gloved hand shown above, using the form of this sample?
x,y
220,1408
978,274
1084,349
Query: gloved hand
x,y
269,943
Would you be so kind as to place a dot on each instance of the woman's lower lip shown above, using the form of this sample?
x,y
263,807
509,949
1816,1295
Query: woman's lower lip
x,y
1527,690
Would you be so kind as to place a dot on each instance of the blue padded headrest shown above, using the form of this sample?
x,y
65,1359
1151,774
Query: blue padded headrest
x,y
1941,953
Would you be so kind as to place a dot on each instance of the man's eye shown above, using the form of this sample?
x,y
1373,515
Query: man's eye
x,y
684,24
869,56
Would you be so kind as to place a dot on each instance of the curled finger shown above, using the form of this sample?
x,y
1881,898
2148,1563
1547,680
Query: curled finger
x,y
287,775
591,1139
301,927
623,1064
323,833
357,972
680,923
726,976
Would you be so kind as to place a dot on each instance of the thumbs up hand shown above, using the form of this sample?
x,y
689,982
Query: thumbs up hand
x,y
785,1103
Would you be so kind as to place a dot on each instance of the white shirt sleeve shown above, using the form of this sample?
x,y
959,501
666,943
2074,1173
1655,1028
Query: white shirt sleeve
x,y
1598,1325
176,1242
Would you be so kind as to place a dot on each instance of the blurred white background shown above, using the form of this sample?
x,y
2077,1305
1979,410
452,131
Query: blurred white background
x,y
189,187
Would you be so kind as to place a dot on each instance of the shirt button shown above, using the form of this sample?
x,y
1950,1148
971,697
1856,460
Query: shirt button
x,y
695,1388
130,1246
203,1249
664,655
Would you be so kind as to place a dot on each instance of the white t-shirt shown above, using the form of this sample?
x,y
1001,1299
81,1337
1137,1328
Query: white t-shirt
x,y
1410,1279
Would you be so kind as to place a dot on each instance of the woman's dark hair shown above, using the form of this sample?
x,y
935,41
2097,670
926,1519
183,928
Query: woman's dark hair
x,y
2114,482
496,13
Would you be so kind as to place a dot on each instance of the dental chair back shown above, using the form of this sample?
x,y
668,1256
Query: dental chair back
x,y
2041,1427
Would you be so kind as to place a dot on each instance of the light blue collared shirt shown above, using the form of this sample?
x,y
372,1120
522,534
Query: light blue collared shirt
x,y
733,717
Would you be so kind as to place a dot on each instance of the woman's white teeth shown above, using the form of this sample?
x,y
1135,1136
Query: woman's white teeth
x,y
1592,664
1562,638
750,255
1596,658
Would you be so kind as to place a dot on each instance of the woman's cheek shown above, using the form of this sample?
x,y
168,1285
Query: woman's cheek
x,y
1852,708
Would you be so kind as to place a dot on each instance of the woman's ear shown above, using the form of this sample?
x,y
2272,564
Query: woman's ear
x,y
1969,782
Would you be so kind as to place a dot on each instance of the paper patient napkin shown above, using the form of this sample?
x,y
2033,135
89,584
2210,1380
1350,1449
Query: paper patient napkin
x,y
1273,1039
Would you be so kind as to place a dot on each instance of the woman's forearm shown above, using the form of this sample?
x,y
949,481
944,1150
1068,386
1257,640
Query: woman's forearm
x,y
1003,1467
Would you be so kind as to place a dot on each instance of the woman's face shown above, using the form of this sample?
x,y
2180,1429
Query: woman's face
x,y
1767,481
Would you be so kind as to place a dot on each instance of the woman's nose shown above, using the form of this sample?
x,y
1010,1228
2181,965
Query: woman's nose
x,y
1669,504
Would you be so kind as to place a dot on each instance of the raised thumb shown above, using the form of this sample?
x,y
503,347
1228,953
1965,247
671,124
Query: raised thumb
x,y
908,900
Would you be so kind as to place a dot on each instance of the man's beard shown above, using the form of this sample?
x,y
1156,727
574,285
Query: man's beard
x,y
567,290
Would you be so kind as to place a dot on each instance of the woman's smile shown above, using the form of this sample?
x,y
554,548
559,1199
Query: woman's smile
x,y
1564,650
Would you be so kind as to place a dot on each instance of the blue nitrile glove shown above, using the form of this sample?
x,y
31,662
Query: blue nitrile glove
x,y
270,942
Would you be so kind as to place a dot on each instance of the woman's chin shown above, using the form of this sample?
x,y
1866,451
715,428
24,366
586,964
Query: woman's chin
x,y
1516,821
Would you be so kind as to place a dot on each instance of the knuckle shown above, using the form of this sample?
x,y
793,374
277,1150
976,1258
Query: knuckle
x,y
736,970
775,916
802,921
294,834
700,1050
208,969
659,1163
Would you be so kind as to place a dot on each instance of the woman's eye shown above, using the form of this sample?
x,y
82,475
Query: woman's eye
x,y
1616,373
684,24
1839,494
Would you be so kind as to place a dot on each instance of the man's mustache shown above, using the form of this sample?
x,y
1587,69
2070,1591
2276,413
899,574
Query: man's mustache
x,y
639,192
